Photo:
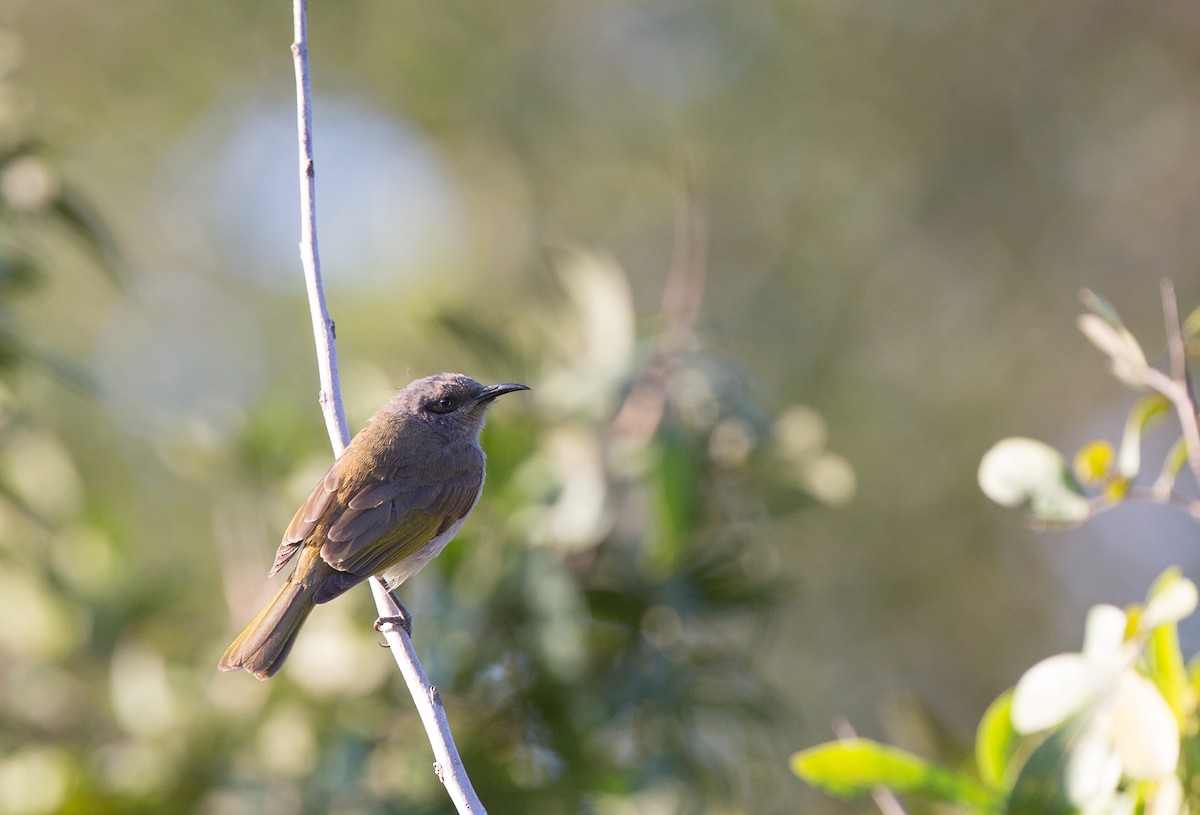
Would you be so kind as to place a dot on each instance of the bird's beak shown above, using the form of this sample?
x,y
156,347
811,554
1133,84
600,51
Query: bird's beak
x,y
492,391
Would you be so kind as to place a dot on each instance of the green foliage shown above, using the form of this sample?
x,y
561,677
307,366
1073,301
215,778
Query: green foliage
x,y
1017,471
632,583
1100,731
842,151
609,598
856,767
1110,729
595,632
39,212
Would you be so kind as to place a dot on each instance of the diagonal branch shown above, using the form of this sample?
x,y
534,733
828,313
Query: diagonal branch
x,y
449,766
1176,386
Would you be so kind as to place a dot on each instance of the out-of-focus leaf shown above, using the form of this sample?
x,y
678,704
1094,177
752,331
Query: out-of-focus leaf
x,y
1172,598
1128,361
1191,325
855,767
1104,634
680,492
17,272
1175,459
1145,730
14,499
605,316
1063,773
1167,798
480,339
995,741
1189,760
1144,412
86,224
1019,470
67,372
1051,692
1094,461
1166,668
1100,306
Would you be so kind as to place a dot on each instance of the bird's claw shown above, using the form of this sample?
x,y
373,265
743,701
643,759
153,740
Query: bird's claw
x,y
404,622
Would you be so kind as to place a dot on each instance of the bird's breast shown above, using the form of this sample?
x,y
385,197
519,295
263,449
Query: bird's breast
x,y
412,564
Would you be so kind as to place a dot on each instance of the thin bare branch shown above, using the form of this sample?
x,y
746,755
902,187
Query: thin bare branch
x,y
1102,503
433,714
1177,386
449,765
640,414
323,331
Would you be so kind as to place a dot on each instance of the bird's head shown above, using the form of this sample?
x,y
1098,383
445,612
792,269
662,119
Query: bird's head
x,y
453,403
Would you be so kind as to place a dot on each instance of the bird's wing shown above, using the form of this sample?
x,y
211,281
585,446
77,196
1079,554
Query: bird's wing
x,y
304,522
386,521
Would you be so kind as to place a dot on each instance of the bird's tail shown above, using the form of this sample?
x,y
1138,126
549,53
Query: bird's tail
x,y
264,645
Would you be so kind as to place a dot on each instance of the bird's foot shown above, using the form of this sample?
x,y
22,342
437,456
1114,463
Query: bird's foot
x,y
403,619
403,622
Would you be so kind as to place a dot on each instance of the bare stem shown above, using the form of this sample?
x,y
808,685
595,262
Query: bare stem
x,y
1176,386
323,332
1102,503
449,765
433,715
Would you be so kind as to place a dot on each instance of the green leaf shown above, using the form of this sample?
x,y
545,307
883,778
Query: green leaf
x,y
855,767
1164,659
1172,464
1191,326
82,220
1141,416
995,741
1043,786
17,271
1019,470
1172,598
680,495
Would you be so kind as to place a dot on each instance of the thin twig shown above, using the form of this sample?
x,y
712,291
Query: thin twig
x,y
449,765
1102,503
433,715
883,797
1176,386
640,414
323,331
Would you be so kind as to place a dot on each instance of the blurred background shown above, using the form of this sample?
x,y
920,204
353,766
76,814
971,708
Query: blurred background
x,y
778,272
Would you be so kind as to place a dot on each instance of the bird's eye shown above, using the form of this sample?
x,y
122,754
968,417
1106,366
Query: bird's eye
x,y
443,405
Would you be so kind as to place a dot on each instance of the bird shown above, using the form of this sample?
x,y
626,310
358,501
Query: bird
x,y
387,506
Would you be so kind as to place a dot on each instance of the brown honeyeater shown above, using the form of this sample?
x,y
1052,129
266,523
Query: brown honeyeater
x,y
387,506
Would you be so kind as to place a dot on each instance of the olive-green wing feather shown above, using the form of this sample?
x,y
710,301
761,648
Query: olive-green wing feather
x,y
366,525
367,541
315,507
